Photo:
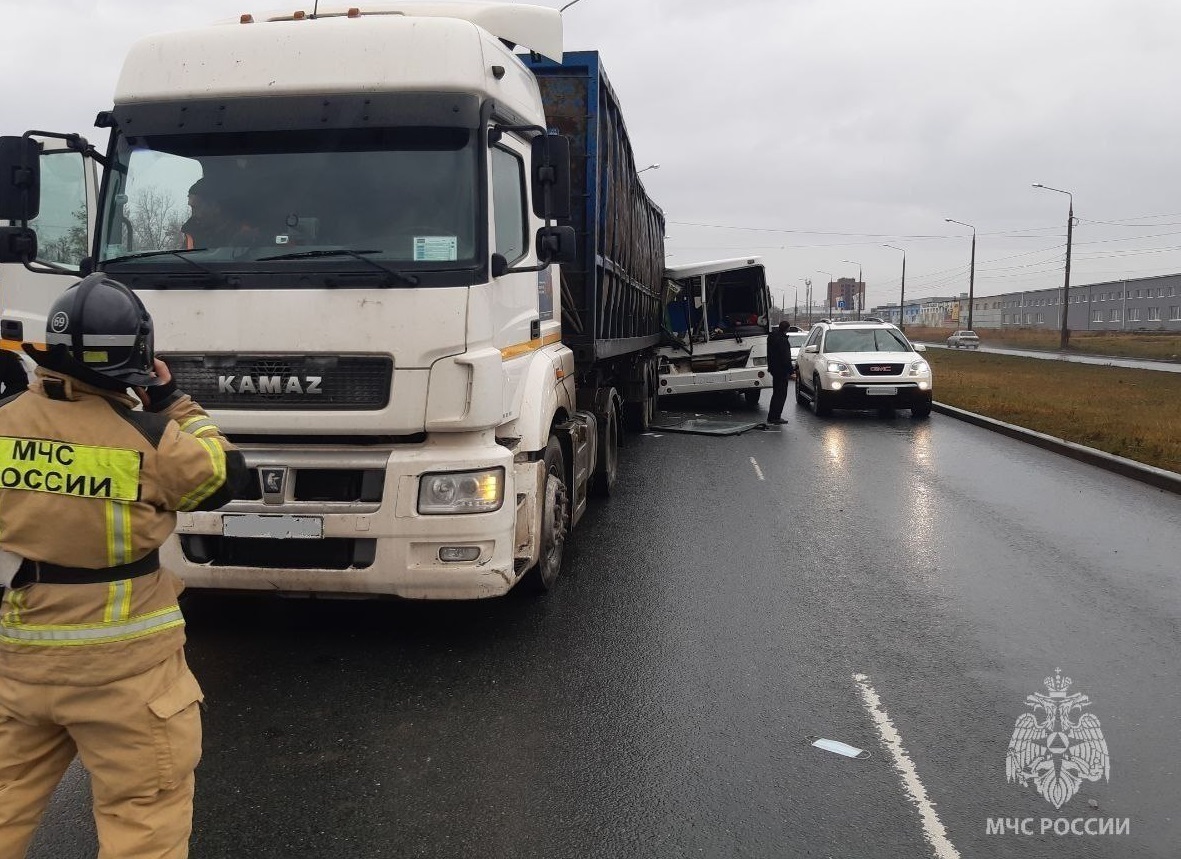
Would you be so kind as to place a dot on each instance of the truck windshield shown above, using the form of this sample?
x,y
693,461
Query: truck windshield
x,y
268,202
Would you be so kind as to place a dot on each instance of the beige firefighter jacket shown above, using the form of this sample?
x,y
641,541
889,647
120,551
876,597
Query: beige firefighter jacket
x,y
86,481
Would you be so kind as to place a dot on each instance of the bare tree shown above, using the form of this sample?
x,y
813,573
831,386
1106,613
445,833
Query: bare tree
x,y
155,220
70,247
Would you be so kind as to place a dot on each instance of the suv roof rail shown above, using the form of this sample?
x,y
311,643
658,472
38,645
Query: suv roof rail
x,y
819,321
877,319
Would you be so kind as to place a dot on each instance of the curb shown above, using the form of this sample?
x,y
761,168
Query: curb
x,y
1169,481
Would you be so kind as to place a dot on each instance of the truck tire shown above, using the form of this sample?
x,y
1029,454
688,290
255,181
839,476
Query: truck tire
x,y
751,395
555,518
607,468
638,416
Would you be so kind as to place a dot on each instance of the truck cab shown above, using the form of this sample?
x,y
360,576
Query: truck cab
x,y
348,228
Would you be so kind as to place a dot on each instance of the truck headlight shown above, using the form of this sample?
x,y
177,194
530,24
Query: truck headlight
x,y
461,491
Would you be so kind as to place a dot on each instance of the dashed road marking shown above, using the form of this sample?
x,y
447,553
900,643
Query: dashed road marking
x,y
758,470
932,826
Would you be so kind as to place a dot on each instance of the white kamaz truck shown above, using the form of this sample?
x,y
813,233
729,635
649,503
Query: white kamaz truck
x,y
356,233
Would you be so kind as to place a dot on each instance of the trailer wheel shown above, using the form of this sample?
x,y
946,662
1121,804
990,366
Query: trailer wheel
x,y
607,468
639,415
652,402
555,518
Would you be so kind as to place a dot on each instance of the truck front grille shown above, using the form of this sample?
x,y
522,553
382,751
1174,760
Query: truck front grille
x,y
333,553
346,485
277,382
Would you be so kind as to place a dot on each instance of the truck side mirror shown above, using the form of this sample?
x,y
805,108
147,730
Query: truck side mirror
x,y
557,244
551,176
20,178
17,244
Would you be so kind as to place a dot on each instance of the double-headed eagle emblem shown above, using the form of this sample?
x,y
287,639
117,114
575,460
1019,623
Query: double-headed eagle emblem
x,y
1057,746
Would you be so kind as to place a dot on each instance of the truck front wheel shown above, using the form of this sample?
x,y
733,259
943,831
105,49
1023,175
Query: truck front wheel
x,y
555,516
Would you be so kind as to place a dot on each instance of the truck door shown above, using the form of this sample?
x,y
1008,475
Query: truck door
x,y
518,301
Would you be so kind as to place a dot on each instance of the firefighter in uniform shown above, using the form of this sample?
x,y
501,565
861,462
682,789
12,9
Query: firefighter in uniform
x,y
91,636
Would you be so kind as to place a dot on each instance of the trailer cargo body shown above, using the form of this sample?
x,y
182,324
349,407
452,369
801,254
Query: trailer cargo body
x,y
612,294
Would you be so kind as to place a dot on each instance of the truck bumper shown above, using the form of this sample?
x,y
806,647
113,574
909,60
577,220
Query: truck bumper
x,y
745,378
374,545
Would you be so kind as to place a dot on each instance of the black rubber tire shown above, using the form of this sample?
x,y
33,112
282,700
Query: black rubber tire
x,y
819,401
607,468
801,399
752,395
921,412
653,409
555,522
638,416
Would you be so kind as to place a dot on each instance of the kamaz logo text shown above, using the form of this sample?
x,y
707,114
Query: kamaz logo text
x,y
269,384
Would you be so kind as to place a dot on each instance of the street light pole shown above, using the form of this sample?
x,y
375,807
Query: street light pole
x,y
901,295
971,271
860,298
827,292
1064,334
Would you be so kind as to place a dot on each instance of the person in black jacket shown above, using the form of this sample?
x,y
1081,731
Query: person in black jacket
x,y
779,364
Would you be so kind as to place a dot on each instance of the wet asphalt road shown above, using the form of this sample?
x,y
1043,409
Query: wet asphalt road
x,y
1074,358
709,621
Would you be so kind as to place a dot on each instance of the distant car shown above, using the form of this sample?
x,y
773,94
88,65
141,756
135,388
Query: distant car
x,y
867,364
965,339
796,339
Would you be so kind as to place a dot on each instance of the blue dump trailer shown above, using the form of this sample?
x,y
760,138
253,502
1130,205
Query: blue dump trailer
x,y
612,306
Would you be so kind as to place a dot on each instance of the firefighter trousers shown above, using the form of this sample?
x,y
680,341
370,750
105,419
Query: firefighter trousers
x,y
138,737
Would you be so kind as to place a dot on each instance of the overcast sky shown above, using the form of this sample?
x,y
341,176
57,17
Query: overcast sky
x,y
812,132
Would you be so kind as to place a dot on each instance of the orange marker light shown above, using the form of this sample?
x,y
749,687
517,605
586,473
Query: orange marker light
x,y
354,12
299,16
246,19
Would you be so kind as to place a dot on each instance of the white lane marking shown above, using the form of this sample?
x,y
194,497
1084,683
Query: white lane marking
x,y
758,470
932,826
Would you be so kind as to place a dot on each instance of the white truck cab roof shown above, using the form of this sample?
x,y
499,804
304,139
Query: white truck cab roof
x,y
432,46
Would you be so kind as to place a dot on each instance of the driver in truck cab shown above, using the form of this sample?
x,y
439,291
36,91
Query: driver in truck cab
x,y
214,222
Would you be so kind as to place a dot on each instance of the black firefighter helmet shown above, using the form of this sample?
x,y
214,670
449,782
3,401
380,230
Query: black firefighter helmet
x,y
99,332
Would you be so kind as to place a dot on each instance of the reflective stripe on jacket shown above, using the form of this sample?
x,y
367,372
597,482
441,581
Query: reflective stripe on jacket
x,y
86,481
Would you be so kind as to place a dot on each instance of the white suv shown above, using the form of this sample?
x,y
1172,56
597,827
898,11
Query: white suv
x,y
867,364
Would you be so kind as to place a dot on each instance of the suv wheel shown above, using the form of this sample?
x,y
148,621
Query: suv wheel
x,y
819,399
800,398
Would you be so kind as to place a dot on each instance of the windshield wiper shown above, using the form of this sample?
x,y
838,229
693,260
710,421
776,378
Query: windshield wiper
x,y
208,272
396,275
